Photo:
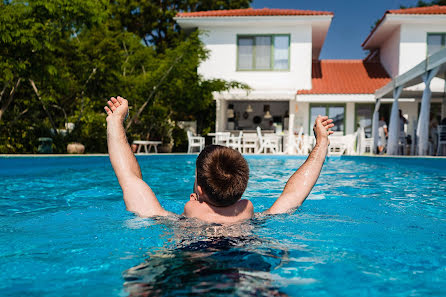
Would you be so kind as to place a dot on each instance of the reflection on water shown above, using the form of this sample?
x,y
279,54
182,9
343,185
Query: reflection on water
x,y
209,259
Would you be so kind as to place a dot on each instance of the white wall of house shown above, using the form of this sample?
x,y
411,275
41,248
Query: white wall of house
x,y
413,43
406,47
222,62
389,53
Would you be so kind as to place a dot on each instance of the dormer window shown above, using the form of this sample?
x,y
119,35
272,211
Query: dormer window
x,y
435,42
263,52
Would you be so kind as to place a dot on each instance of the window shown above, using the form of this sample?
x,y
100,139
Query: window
x,y
364,117
334,111
435,42
263,52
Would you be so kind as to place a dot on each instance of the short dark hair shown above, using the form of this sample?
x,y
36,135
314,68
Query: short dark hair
x,y
223,174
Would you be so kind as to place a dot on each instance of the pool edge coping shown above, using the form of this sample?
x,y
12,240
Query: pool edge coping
x,y
247,155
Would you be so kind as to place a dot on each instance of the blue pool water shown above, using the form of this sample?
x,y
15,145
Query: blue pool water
x,y
370,227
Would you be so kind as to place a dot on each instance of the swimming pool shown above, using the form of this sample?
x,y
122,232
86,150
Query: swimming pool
x,y
370,227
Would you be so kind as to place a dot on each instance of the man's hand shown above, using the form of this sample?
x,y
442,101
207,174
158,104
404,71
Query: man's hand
x,y
118,108
320,128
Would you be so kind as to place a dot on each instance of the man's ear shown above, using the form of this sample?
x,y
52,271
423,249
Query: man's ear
x,y
199,190
193,197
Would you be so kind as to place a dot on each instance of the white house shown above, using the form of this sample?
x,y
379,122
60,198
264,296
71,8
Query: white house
x,y
276,52
408,43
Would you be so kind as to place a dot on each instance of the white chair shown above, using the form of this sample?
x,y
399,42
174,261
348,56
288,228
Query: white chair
x,y
338,145
268,142
250,143
194,142
342,144
235,142
307,144
350,140
363,142
298,143
441,139
221,138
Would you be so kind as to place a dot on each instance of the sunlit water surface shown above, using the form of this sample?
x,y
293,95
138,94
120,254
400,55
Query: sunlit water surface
x,y
370,227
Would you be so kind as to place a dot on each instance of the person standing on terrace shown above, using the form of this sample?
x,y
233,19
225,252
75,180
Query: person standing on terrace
x,y
221,176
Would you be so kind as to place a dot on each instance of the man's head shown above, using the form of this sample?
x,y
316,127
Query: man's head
x,y
222,175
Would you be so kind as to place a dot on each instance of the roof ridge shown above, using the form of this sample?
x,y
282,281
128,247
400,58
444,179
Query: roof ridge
x,y
250,11
409,9
341,60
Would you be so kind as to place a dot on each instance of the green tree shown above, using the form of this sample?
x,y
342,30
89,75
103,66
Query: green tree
x,y
422,3
35,55
154,22
61,60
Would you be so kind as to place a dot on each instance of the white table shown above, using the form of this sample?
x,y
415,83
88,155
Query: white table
x,y
146,143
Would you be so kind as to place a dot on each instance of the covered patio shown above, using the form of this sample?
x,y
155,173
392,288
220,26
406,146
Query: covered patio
x,y
415,85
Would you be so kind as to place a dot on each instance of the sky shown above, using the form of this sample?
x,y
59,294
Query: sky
x,y
350,26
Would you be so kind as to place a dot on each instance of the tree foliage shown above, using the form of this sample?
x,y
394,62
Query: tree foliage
x,y
60,60
422,3
154,22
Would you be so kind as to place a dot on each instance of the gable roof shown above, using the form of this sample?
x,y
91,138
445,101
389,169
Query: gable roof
x,y
252,12
435,9
346,77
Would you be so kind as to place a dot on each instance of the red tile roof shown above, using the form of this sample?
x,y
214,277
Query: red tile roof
x,y
346,77
435,9
251,12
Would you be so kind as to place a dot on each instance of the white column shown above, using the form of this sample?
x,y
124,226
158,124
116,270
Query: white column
x,y
220,121
350,127
375,126
394,125
217,115
423,120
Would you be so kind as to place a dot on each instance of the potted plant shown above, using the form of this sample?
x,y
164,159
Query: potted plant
x,y
165,130
75,148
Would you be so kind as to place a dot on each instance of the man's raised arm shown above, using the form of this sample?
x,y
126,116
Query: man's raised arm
x,y
303,180
138,196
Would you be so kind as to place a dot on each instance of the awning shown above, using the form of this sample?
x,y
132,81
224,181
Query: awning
x,y
414,76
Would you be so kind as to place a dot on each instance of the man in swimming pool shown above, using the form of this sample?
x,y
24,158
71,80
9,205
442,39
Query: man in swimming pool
x,y
221,176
